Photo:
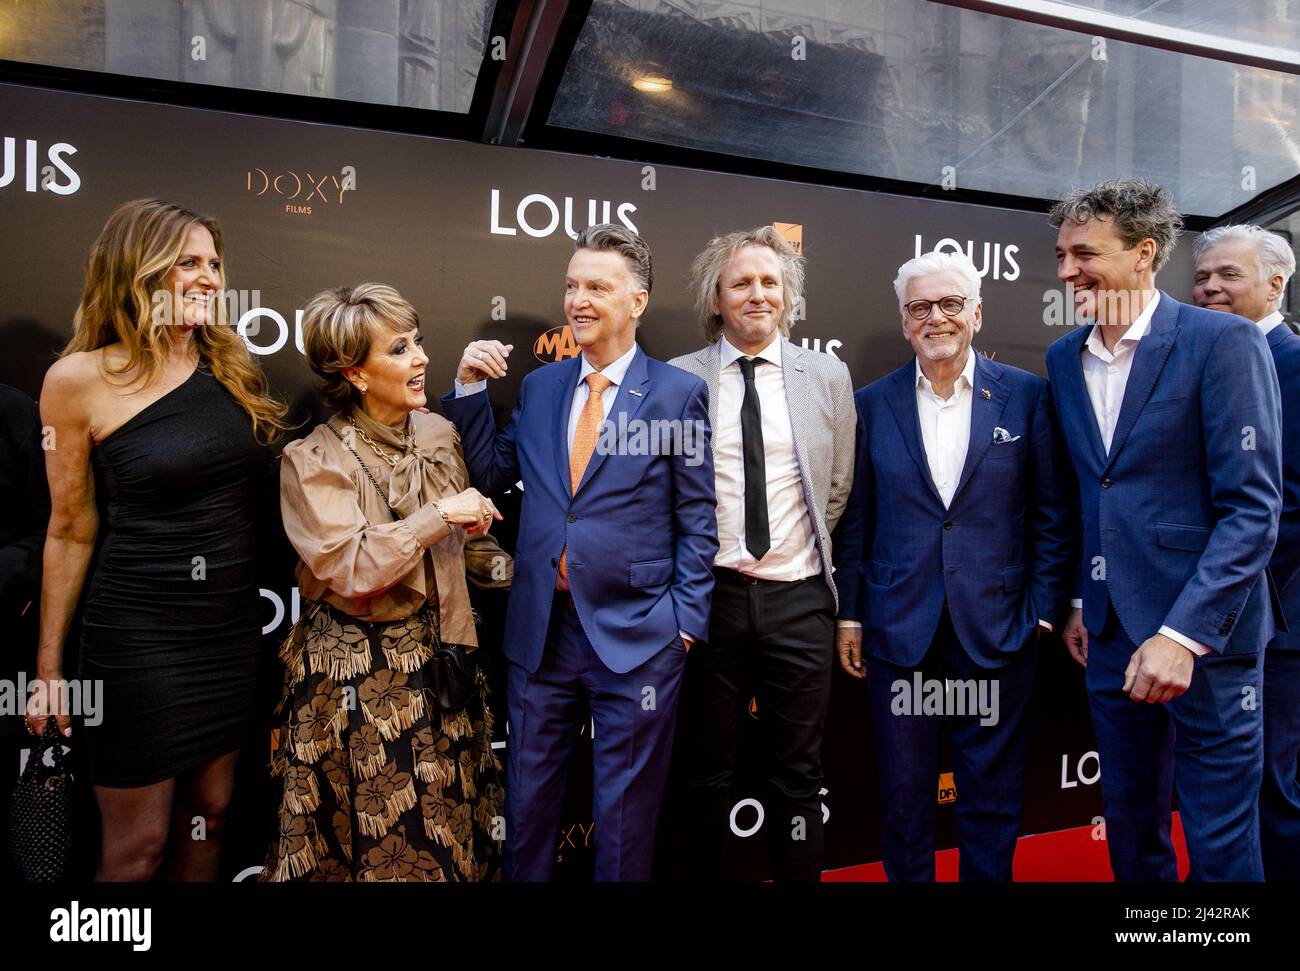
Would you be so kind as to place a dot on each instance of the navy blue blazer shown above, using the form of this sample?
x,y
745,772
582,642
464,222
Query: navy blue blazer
x,y
1285,565
641,531
1000,553
1179,520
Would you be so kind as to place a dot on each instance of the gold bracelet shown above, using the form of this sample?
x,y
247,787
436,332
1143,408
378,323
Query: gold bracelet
x,y
438,506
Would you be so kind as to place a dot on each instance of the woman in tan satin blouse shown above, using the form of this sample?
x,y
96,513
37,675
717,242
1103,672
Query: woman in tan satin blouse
x,y
385,744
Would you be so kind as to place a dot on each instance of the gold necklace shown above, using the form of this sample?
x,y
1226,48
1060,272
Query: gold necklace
x,y
390,459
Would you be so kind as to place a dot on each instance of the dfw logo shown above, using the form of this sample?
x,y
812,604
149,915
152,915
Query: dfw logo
x,y
37,177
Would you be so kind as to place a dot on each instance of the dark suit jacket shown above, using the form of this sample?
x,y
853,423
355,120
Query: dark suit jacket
x,y
1000,554
641,531
1179,520
1285,565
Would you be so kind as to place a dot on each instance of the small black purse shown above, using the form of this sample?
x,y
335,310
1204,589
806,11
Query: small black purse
x,y
451,673
40,822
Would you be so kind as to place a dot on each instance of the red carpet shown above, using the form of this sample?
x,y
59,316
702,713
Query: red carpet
x,y
1068,855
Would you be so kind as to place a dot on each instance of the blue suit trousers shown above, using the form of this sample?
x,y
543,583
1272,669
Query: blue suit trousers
x,y
1205,746
632,717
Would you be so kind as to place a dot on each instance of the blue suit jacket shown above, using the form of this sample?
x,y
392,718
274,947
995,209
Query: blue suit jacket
x,y
1285,564
1000,553
1180,518
641,531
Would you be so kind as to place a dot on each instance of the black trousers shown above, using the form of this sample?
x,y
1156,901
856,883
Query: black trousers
x,y
775,642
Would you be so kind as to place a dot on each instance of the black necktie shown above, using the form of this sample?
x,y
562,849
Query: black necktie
x,y
757,538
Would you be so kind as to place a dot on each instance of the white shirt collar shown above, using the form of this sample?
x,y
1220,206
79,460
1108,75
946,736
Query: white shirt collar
x,y
614,370
771,353
967,374
1271,321
1135,333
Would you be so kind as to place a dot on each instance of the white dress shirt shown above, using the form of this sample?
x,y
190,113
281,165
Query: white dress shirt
x,y
1106,372
1106,375
945,435
945,426
793,554
1272,320
615,371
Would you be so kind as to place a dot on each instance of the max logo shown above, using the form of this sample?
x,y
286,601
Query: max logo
x,y
556,344
947,788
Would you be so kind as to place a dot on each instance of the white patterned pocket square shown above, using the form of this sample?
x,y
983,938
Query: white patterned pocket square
x,y
1003,437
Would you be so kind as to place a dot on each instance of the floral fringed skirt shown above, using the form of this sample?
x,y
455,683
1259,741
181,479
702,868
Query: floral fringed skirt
x,y
378,784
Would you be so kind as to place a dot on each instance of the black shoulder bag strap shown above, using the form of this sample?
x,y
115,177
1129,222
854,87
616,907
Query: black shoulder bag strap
x,y
373,481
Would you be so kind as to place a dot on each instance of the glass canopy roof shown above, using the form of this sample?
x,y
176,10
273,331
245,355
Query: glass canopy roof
x,y
1258,21
1018,98
928,93
416,53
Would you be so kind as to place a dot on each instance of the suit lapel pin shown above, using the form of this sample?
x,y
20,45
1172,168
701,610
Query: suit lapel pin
x,y
634,391
984,393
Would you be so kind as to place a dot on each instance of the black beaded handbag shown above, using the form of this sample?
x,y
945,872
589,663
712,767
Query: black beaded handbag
x,y
40,822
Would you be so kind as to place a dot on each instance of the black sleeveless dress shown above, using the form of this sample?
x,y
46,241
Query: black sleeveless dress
x,y
170,621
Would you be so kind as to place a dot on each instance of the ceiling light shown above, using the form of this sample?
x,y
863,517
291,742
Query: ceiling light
x,y
653,84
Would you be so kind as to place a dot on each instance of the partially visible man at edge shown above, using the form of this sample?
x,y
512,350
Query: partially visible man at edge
x,y
1244,270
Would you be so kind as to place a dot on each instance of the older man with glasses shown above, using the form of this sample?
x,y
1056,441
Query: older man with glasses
x,y
952,556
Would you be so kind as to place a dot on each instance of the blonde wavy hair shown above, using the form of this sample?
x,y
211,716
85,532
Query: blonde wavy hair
x,y
126,266
706,272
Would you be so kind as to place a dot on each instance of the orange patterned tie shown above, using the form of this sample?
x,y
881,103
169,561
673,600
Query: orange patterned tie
x,y
584,443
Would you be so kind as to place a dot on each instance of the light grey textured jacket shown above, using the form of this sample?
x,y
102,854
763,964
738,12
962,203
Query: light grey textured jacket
x,y
819,393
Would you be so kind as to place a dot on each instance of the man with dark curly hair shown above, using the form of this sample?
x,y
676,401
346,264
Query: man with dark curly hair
x,y
1172,418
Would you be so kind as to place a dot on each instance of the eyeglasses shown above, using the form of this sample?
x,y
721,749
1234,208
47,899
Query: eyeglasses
x,y
948,306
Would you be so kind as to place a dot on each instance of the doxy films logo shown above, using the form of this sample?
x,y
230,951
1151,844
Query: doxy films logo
x,y
301,190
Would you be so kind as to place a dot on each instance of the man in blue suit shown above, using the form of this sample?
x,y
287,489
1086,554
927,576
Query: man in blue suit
x,y
1244,270
954,551
614,561
1172,419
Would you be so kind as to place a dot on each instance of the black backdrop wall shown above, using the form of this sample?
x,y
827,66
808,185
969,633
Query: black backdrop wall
x,y
477,238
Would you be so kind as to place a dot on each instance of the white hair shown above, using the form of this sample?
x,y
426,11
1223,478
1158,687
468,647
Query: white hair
x,y
1272,251
937,262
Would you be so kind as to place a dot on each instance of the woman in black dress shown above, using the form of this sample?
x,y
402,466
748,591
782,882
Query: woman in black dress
x,y
156,405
